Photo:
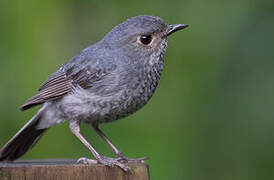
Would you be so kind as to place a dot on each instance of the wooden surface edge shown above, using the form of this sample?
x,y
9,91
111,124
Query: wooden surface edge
x,y
69,169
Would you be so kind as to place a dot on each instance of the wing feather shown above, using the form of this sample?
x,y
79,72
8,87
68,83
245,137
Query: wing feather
x,y
64,80
54,88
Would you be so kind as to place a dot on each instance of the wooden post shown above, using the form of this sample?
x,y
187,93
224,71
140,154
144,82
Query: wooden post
x,y
68,170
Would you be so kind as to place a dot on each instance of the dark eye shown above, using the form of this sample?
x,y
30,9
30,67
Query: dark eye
x,y
146,39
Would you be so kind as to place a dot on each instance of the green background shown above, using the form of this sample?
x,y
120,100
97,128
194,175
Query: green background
x,y
212,114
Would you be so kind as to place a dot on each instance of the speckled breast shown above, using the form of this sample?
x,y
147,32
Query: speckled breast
x,y
135,95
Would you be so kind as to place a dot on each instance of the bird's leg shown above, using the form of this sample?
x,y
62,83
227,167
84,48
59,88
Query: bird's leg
x,y
105,138
75,129
119,156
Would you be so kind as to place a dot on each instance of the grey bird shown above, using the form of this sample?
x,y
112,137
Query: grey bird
x,y
107,81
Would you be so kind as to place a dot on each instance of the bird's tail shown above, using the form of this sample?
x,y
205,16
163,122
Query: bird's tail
x,y
23,140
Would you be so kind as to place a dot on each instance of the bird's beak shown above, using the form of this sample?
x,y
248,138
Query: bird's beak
x,y
175,27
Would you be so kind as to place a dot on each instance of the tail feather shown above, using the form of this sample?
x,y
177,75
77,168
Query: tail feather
x,y
23,140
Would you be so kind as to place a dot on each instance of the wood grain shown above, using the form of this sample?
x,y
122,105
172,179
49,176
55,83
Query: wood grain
x,y
68,170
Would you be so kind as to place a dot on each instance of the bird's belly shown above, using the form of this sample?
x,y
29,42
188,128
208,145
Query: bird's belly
x,y
125,104
84,106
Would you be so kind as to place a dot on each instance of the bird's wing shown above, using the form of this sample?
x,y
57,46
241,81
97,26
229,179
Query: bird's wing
x,y
57,85
62,82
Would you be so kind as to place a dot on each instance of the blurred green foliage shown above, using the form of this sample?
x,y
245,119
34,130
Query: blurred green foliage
x,y
212,114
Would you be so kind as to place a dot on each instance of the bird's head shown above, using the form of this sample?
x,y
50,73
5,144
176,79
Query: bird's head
x,y
141,36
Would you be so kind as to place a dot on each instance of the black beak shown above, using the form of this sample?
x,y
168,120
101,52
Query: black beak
x,y
176,27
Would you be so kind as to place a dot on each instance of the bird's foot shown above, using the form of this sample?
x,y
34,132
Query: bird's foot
x,y
107,161
114,162
124,159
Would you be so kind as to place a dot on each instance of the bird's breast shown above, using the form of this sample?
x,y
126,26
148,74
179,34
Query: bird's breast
x,y
90,107
138,90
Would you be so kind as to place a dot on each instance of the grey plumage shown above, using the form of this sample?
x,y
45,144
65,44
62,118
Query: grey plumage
x,y
107,81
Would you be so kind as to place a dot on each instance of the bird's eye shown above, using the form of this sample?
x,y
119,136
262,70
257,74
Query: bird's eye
x,y
146,39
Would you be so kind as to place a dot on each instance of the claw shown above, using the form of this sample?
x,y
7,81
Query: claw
x,y
114,162
123,159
